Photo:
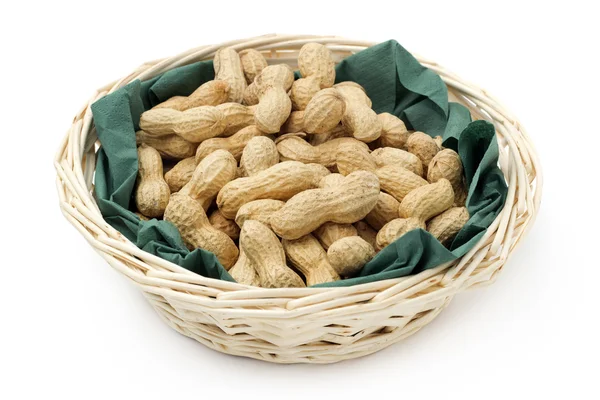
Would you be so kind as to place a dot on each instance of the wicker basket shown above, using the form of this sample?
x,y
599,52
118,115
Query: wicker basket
x,y
312,325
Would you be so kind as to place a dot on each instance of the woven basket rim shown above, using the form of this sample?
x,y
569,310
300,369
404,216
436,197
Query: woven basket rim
x,y
166,285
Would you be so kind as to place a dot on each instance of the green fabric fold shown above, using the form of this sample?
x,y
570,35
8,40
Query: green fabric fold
x,y
395,82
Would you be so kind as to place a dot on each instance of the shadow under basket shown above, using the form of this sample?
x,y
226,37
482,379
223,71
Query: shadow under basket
x,y
304,325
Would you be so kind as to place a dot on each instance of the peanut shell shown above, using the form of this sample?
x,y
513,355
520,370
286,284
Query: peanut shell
x,y
331,180
384,211
314,59
273,109
169,147
259,154
447,164
265,253
303,90
308,257
367,233
180,174
253,62
347,203
296,149
445,226
427,201
228,68
330,232
211,174
348,255
196,231
279,182
389,155
394,229
423,146
398,181
258,210
350,158
324,111
393,131
234,144
227,226
236,117
152,192
244,272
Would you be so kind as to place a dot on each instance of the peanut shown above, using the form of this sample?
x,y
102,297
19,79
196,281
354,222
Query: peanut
x,y
152,192
284,136
279,182
180,174
196,231
297,149
354,85
439,141
367,233
253,62
175,102
384,211
244,272
348,255
395,229
446,225
294,123
258,210
427,201
320,138
194,125
423,146
274,105
447,164
350,158
272,76
398,181
331,180
169,147
393,131
250,95
389,155
302,91
236,116
265,253
347,203
316,60
307,255
211,174
330,232
259,154
227,226
234,144
324,111
228,68
359,119
211,93
142,216
394,179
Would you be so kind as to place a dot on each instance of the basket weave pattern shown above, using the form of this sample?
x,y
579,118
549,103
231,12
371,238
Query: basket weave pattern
x,y
317,325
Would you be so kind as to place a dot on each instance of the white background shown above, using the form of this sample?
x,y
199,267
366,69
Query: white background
x,y
71,327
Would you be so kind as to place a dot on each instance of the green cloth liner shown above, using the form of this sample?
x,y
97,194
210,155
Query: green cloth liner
x,y
395,82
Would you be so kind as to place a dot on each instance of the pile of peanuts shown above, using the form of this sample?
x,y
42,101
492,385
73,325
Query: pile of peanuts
x,y
292,182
